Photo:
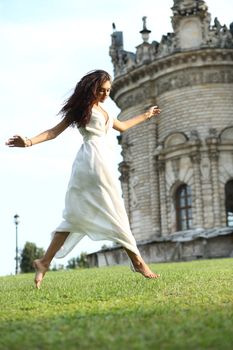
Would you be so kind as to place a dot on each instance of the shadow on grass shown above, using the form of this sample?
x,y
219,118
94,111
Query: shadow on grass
x,y
157,327
189,307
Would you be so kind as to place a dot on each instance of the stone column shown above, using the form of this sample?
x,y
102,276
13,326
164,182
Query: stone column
x,y
163,197
155,199
207,197
154,179
214,155
124,168
198,203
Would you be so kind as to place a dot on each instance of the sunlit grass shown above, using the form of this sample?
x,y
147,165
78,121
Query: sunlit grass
x,y
189,307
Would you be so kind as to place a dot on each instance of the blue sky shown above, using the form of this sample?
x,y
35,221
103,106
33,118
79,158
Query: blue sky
x,y
46,47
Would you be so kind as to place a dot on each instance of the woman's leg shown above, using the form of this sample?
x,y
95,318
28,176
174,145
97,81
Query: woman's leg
x,y
140,265
42,265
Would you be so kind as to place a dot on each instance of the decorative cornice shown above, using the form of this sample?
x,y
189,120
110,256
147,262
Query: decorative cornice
x,y
192,76
174,72
193,147
192,31
189,7
185,149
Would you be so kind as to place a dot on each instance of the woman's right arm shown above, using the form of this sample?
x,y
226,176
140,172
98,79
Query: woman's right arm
x,y
19,141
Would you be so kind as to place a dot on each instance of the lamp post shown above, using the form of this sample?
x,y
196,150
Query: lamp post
x,y
16,221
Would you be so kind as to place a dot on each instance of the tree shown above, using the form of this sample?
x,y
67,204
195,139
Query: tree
x,y
72,263
56,267
29,253
80,261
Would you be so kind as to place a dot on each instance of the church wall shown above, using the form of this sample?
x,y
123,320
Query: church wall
x,y
192,109
141,182
196,108
189,75
217,246
150,199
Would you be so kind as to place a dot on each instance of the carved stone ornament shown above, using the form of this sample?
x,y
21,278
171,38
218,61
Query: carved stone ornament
x,y
124,169
194,77
188,7
194,135
214,155
161,165
220,36
192,30
205,169
176,166
175,139
213,132
126,153
195,157
227,134
133,98
134,183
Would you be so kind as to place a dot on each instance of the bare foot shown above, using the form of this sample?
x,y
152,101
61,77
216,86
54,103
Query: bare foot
x,y
143,268
40,272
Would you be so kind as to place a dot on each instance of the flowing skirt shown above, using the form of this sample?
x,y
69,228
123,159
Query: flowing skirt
x,y
93,204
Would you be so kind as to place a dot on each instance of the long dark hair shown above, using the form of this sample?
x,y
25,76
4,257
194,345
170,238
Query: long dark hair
x,y
77,108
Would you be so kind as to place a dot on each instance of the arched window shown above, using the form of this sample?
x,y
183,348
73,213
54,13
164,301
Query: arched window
x,y
184,208
229,202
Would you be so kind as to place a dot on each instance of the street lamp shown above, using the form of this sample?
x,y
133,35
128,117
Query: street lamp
x,y
16,221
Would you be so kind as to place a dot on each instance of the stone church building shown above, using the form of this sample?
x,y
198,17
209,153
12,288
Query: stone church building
x,y
177,168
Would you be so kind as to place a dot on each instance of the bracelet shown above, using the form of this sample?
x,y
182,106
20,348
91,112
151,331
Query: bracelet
x,y
26,142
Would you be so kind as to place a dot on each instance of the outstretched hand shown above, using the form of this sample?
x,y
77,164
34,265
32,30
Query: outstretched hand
x,y
152,111
16,141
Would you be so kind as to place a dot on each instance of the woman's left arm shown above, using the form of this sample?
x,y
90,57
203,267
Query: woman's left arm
x,y
125,125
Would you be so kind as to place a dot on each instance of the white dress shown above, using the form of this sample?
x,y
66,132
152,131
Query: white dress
x,y
94,205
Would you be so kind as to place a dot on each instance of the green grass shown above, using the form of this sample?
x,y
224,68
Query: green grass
x,y
189,307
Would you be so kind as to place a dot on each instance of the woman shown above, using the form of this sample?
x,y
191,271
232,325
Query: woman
x,y
93,204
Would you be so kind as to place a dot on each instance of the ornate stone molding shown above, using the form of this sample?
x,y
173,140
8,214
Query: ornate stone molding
x,y
201,67
226,135
212,142
195,157
124,169
161,164
175,166
214,155
133,194
192,30
205,169
189,7
190,148
123,140
193,76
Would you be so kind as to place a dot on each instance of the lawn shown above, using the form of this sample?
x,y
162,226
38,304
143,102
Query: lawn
x,y
189,307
